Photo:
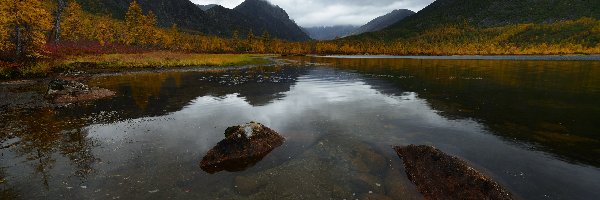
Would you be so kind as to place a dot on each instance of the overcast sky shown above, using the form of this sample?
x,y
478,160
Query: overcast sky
x,y
309,13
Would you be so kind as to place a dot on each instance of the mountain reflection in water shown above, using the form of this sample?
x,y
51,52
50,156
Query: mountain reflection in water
x,y
532,125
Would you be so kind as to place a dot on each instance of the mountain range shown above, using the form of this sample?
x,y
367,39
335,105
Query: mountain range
x,y
384,21
377,24
257,16
329,32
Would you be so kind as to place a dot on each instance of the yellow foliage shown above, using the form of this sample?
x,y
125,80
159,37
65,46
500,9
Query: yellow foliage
x,y
27,22
4,28
76,25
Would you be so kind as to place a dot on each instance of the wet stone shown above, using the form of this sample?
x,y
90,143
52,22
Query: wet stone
x,y
63,91
440,176
243,147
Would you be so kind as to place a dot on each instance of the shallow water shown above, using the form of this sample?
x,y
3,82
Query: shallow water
x,y
531,125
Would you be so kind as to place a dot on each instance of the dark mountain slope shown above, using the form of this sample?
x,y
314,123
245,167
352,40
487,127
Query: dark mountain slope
x,y
277,21
207,7
491,13
329,32
384,21
184,13
252,15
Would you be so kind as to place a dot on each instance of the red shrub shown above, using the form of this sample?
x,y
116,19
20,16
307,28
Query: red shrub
x,y
68,48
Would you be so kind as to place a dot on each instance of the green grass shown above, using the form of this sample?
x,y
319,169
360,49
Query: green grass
x,y
165,59
159,59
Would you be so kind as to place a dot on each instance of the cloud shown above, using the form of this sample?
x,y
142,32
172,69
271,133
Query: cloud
x,y
309,13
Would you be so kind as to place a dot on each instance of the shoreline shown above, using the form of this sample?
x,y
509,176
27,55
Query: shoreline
x,y
117,63
475,57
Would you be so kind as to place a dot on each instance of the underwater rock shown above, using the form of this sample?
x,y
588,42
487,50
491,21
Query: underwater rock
x,y
397,186
243,146
325,169
245,186
440,176
69,91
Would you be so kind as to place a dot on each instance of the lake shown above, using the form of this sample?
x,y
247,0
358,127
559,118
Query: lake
x,y
532,125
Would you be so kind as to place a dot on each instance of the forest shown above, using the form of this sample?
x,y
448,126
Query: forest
x,y
45,29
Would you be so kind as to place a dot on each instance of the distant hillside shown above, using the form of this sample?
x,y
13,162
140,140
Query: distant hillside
x,y
329,32
492,13
384,21
230,20
277,22
487,27
252,15
207,7
185,14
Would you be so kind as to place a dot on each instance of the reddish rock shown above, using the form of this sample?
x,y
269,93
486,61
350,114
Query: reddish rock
x,y
243,146
440,176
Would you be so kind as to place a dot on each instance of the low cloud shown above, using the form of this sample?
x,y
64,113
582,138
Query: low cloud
x,y
309,13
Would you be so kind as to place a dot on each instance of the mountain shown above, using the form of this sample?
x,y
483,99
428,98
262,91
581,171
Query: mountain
x,y
252,15
383,21
329,32
275,20
206,7
231,20
492,13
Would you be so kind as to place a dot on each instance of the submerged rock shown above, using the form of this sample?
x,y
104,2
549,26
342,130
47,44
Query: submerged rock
x,y
440,176
243,146
69,91
325,169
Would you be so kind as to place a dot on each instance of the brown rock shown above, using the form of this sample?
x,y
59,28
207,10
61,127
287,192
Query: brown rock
x,y
440,176
69,91
243,146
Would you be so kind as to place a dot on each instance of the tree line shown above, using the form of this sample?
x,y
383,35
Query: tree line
x,y
28,25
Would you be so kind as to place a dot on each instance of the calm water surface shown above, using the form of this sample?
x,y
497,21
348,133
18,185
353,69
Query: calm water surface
x,y
534,126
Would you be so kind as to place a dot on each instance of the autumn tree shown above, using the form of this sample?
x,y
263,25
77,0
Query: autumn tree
x,y
133,23
140,29
249,41
104,31
170,37
235,40
265,42
75,25
4,31
150,30
26,22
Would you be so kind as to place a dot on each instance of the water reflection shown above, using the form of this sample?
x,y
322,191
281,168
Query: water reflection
x,y
339,123
551,104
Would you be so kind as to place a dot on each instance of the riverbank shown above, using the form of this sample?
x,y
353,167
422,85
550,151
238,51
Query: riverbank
x,y
478,57
125,61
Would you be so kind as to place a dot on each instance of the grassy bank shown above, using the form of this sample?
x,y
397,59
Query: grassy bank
x,y
160,59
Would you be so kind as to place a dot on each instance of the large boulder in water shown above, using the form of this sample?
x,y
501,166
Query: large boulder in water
x,y
243,146
440,176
